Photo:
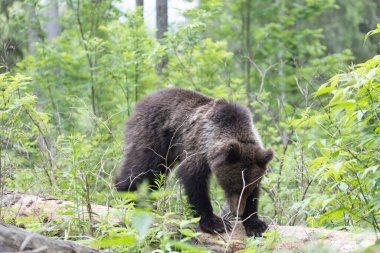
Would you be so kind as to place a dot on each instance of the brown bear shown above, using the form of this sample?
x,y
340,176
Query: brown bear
x,y
200,136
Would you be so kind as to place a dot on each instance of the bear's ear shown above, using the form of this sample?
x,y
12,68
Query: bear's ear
x,y
224,113
233,152
264,156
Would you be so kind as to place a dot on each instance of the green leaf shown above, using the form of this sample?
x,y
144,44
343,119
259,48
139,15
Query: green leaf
x,y
188,232
122,240
142,221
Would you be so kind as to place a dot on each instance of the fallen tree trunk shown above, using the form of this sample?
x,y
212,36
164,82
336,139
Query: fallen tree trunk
x,y
13,239
14,204
293,238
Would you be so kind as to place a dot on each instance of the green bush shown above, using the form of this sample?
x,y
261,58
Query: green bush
x,y
345,138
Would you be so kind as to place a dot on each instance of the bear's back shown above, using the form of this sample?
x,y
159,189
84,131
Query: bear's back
x,y
173,98
167,104
163,109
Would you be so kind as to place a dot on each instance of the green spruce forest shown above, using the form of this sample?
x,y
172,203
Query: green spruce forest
x,y
72,71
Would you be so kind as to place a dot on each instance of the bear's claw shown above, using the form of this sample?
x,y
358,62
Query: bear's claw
x,y
214,225
255,227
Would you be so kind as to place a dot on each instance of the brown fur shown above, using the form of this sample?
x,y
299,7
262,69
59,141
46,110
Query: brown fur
x,y
202,136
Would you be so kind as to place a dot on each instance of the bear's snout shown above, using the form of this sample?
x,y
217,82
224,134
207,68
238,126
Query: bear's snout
x,y
236,204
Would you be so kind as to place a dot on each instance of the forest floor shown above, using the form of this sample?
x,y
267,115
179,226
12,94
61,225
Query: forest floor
x,y
293,238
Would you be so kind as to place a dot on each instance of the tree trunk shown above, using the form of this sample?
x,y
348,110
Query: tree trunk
x,y
249,55
140,7
13,239
140,3
52,26
162,27
161,18
32,25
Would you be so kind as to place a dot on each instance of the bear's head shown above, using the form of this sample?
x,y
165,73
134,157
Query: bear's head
x,y
238,159
239,168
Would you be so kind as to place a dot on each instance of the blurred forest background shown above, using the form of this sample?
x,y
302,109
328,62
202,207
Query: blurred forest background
x,y
72,71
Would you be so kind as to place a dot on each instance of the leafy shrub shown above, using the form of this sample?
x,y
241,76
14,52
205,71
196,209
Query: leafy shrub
x,y
24,142
345,137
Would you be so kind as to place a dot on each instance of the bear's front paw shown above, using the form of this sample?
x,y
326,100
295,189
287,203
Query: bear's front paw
x,y
255,227
214,225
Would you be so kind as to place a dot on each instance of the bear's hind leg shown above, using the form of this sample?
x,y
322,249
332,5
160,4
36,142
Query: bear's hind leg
x,y
139,164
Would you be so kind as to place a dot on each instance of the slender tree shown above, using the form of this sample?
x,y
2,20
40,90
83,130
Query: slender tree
x,y
140,3
140,7
52,26
248,48
32,31
162,27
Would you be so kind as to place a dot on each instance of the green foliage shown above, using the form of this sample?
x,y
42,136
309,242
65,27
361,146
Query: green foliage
x,y
268,55
24,146
12,34
357,18
198,62
128,66
346,165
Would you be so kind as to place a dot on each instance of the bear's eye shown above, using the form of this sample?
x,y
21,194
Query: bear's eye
x,y
247,141
233,153
237,192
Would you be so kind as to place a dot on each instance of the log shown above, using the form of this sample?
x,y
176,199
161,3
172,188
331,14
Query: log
x,y
14,204
287,237
293,238
13,239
